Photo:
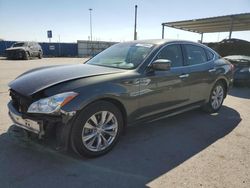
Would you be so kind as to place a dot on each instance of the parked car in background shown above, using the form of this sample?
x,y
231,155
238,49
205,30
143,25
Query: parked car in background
x,y
228,47
24,50
89,105
242,69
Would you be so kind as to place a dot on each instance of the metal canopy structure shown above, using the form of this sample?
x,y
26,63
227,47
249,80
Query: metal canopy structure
x,y
229,23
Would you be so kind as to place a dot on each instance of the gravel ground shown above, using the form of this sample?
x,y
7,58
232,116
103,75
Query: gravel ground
x,y
193,149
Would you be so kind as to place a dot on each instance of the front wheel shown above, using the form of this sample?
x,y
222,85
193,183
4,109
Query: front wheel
x,y
216,98
96,129
40,55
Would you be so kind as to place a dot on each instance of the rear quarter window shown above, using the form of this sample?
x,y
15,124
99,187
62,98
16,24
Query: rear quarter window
x,y
210,55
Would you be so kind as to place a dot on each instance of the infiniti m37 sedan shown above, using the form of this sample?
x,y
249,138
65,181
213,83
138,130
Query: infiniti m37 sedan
x,y
89,105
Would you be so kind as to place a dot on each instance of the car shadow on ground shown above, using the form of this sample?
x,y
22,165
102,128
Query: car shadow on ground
x,y
241,92
17,60
143,154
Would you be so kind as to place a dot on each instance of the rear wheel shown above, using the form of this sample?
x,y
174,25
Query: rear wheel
x,y
96,129
216,98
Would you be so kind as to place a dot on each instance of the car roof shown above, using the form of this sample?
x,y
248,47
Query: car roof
x,y
26,42
160,41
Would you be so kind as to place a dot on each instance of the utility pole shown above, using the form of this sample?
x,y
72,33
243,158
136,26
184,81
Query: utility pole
x,y
162,32
59,45
90,23
135,32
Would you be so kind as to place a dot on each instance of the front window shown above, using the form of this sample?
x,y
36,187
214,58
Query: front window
x,y
19,44
173,53
123,55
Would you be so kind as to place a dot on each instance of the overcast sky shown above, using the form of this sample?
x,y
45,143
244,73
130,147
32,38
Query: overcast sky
x,y
113,20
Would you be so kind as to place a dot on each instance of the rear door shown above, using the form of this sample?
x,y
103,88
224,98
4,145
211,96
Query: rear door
x,y
200,67
164,90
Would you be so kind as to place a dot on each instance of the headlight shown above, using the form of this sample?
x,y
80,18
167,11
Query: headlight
x,y
51,104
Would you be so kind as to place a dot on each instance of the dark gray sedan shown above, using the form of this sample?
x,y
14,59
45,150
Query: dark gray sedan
x,y
89,105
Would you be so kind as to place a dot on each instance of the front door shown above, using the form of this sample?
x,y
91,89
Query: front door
x,y
164,90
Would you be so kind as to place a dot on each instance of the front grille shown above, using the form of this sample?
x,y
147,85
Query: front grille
x,y
14,54
20,102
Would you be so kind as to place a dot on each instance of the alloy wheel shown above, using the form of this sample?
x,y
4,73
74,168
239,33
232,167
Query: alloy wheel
x,y
217,97
99,131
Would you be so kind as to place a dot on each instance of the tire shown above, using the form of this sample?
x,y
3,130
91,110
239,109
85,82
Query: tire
x,y
89,136
40,55
26,56
216,98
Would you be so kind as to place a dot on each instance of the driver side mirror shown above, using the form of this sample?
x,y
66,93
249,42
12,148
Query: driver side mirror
x,y
161,65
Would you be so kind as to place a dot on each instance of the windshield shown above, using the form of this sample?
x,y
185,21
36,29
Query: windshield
x,y
19,44
123,55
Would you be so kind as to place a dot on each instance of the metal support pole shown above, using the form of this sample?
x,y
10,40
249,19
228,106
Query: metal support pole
x,y
230,34
162,32
231,28
135,32
90,23
201,37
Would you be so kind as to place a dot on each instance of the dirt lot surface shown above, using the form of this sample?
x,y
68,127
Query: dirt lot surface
x,y
193,149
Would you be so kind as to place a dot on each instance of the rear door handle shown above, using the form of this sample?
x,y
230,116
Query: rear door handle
x,y
212,70
184,76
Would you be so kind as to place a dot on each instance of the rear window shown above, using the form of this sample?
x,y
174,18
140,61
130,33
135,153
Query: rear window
x,y
195,54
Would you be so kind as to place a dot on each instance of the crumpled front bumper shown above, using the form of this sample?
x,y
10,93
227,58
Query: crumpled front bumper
x,y
15,54
25,123
43,125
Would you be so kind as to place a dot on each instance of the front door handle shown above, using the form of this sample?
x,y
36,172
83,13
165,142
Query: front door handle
x,y
212,70
184,76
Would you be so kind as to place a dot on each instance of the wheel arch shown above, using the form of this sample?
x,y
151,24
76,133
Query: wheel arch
x,y
27,51
65,133
225,84
115,102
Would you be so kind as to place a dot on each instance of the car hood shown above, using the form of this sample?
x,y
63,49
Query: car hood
x,y
16,48
36,80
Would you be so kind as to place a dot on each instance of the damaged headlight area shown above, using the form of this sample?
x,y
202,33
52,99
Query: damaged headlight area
x,y
53,104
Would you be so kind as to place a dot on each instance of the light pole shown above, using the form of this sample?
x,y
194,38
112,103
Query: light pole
x,y
90,22
135,32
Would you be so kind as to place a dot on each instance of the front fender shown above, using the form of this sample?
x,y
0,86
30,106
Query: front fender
x,y
90,94
113,91
122,88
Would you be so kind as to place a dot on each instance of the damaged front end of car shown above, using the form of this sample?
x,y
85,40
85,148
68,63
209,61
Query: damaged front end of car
x,y
43,115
